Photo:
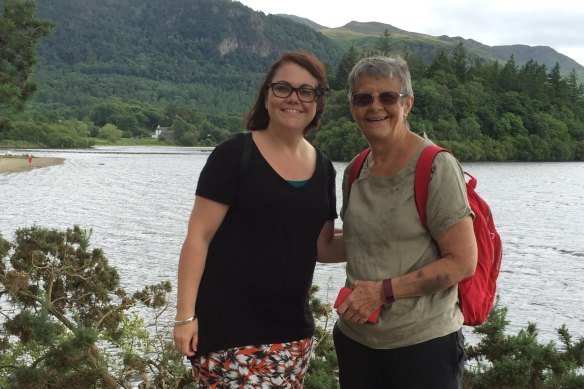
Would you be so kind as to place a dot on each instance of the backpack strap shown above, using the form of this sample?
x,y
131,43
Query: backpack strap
x,y
245,154
422,180
357,165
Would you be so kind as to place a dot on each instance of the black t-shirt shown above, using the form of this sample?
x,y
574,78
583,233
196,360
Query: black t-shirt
x,y
260,263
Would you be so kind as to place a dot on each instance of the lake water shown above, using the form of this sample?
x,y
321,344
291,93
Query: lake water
x,y
137,201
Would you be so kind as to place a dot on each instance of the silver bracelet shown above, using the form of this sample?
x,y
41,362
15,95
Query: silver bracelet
x,y
181,322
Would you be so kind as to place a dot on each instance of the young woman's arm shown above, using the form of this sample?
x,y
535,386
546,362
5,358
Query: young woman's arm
x,y
206,217
330,244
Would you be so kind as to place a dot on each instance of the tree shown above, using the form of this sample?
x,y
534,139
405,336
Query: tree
x,y
19,35
533,79
575,89
110,132
519,361
440,70
337,106
554,80
509,77
340,140
459,62
467,98
186,134
68,322
350,58
433,100
509,124
416,65
384,43
321,373
133,118
469,128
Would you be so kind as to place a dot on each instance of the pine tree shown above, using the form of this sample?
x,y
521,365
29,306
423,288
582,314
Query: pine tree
x,y
350,58
459,62
19,34
384,43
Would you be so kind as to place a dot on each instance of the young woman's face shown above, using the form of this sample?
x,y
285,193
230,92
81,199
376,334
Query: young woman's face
x,y
295,111
380,119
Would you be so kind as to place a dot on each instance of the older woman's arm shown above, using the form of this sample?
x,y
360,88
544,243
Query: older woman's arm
x,y
458,247
459,259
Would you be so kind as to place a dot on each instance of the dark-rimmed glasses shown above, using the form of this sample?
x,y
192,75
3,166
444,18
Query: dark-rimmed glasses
x,y
306,94
385,98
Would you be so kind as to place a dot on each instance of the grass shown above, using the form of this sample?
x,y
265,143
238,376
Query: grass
x,y
18,144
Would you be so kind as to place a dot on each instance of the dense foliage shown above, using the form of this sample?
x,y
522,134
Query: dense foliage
x,y
481,111
19,35
206,53
196,72
65,321
519,361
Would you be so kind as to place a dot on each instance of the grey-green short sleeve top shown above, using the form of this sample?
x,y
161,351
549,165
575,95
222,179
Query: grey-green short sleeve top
x,y
385,238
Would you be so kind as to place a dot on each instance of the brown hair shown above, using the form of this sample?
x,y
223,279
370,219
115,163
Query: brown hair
x,y
258,117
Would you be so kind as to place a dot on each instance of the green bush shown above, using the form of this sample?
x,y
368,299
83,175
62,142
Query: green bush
x,y
70,324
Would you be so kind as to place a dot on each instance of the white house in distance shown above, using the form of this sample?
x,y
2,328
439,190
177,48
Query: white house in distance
x,y
163,132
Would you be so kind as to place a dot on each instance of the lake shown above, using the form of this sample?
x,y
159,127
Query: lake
x,y
137,201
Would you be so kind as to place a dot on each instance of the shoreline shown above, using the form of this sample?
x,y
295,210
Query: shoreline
x,y
17,164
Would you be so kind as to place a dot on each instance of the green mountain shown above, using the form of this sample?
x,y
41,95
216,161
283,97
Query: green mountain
x,y
206,54
366,36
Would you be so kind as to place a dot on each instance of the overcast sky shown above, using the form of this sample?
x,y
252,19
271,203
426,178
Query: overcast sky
x,y
555,23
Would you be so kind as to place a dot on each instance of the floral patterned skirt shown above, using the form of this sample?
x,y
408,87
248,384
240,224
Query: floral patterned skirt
x,y
279,365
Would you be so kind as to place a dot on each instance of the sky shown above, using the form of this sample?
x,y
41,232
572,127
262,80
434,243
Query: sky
x,y
558,24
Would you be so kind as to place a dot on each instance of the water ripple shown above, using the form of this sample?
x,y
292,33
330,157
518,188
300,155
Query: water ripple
x,y
137,202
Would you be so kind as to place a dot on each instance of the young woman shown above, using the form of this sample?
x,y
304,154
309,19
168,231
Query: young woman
x,y
254,234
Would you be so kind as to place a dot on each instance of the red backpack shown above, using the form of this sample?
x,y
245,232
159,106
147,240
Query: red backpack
x,y
476,294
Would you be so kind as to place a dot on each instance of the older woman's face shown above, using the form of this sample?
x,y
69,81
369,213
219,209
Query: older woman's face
x,y
379,120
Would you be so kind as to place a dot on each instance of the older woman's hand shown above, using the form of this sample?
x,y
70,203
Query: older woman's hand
x,y
359,305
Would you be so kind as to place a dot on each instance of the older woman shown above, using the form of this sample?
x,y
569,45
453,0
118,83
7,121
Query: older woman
x,y
247,261
392,259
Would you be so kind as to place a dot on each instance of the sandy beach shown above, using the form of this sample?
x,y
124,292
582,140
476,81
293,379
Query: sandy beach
x,y
22,164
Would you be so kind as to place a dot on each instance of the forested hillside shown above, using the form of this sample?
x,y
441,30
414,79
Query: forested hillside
x,y
426,47
121,68
480,110
207,53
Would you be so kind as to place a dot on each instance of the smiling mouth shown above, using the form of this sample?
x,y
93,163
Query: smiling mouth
x,y
292,110
378,119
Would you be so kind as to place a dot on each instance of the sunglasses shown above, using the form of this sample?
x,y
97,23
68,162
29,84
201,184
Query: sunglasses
x,y
385,98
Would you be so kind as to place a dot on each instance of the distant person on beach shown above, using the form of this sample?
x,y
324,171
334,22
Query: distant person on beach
x,y
392,260
254,234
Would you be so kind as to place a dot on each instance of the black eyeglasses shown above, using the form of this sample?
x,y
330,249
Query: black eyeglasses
x,y
305,94
385,98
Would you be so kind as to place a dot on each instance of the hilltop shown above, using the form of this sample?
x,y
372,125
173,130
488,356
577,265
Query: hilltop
x,y
205,53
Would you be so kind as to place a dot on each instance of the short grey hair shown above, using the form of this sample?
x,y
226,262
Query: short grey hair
x,y
380,67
